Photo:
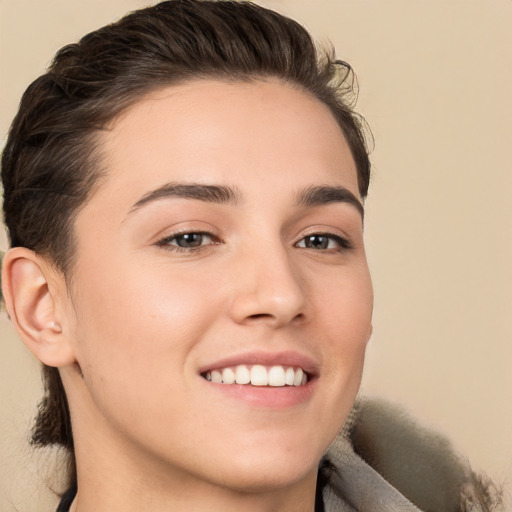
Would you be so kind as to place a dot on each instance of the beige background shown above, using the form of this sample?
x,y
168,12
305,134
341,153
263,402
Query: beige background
x,y
435,80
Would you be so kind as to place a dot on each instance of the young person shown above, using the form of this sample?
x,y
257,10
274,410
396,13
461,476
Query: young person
x,y
200,300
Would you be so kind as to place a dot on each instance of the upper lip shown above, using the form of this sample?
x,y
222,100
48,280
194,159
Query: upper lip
x,y
284,358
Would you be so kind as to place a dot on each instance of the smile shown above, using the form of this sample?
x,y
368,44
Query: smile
x,y
258,375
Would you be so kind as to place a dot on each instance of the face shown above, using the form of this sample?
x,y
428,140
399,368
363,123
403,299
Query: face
x,y
225,242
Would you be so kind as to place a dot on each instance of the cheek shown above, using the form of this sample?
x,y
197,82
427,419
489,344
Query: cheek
x,y
131,298
134,326
347,307
346,322
134,337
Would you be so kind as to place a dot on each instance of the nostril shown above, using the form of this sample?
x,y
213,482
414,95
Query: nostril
x,y
260,315
268,316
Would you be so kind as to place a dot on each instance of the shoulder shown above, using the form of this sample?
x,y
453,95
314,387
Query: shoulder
x,y
391,452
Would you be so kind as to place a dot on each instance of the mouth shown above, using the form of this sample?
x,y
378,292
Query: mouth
x,y
258,375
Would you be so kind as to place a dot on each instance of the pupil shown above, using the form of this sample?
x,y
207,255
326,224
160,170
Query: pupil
x,y
190,240
317,242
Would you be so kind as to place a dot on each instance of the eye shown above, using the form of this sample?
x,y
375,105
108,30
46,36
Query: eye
x,y
323,242
187,241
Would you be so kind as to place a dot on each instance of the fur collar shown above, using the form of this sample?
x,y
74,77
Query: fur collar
x,y
384,461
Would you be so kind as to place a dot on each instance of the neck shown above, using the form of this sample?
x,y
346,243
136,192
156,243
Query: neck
x,y
211,502
124,488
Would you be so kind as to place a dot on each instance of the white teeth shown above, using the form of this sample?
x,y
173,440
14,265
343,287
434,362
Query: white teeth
x,y
297,381
228,376
243,375
276,376
258,375
289,376
216,376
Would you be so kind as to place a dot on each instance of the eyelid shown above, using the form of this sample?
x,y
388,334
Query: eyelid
x,y
342,240
184,227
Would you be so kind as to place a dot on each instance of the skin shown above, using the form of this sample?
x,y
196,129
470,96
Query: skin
x,y
141,319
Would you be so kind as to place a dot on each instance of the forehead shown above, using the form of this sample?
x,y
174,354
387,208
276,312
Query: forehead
x,y
225,132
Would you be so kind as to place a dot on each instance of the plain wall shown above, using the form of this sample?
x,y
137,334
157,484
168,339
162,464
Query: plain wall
x,y
435,81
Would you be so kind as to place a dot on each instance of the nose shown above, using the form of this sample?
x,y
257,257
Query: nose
x,y
268,289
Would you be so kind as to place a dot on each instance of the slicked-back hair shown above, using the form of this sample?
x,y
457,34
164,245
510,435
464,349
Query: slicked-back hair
x,y
52,164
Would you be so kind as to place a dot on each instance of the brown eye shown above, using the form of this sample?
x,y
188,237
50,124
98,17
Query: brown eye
x,y
316,242
192,240
322,242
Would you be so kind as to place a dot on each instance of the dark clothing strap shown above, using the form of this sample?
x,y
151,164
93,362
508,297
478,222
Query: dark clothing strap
x,y
67,499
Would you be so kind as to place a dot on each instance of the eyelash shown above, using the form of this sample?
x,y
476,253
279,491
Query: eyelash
x,y
342,243
165,243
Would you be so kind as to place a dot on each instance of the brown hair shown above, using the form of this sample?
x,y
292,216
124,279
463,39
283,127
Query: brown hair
x,y
50,167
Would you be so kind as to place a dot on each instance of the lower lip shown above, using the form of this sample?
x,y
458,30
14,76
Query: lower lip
x,y
266,397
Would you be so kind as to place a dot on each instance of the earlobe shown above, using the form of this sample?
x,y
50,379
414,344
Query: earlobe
x,y
30,291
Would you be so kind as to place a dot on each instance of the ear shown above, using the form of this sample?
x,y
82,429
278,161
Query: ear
x,y
33,292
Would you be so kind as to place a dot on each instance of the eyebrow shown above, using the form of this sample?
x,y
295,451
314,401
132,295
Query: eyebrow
x,y
221,194
208,193
325,194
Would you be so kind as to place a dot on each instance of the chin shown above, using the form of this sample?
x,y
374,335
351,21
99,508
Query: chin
x,y
267,467
264,476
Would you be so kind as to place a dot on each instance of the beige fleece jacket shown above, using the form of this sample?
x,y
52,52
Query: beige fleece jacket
x,y
383,461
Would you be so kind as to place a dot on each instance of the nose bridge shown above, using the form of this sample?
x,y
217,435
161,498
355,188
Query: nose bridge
x,y
268,286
